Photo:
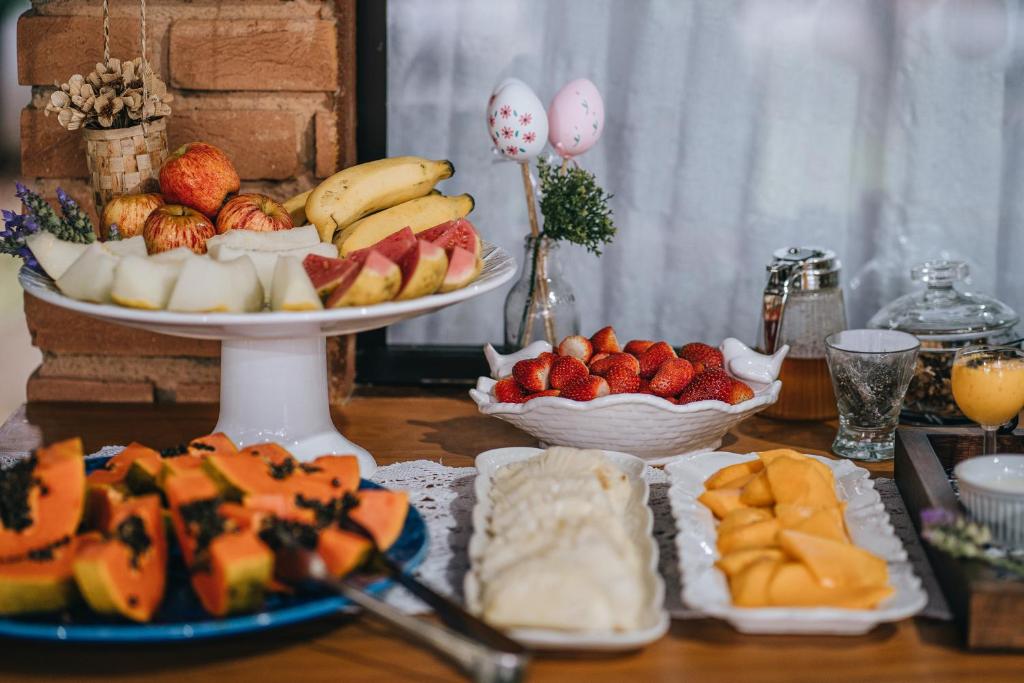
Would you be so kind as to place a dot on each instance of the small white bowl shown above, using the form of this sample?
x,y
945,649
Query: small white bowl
x,y
992,490
646,426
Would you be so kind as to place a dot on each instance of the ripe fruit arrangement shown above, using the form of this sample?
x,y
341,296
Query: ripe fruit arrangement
x,y
67,538
583,369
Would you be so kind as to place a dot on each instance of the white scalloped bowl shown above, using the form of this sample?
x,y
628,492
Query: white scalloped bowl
x,y
646,426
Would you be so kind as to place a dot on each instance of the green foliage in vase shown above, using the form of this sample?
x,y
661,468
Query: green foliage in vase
x,y
574,206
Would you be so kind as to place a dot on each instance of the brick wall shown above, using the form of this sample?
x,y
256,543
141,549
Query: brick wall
x,y
269,81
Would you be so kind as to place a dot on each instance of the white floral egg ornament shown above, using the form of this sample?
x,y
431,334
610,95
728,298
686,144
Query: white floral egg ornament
x,y
516,120
576,118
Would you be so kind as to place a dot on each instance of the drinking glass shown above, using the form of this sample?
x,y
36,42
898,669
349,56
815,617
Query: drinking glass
x,y
988,386
870,371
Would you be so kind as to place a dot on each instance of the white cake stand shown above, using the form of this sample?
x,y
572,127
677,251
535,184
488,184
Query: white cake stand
x,y
273,376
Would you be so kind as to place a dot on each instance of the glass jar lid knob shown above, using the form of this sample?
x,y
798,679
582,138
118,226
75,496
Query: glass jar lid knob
x,y
940,272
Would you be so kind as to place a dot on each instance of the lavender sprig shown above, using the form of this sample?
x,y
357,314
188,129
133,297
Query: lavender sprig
x,y
114,234
37,207
76,224
12,238
963,538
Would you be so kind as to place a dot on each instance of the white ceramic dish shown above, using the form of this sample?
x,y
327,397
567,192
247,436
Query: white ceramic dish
x,y
273,382
647,426
705,587
639,526
992,489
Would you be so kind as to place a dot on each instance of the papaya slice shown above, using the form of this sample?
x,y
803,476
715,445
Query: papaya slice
x,y
117,468
42,498
217,443
42,580
257,469
343,551
340,472
382,513
125,572
100,502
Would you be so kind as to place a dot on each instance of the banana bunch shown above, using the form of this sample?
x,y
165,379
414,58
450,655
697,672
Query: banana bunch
x,y
365,203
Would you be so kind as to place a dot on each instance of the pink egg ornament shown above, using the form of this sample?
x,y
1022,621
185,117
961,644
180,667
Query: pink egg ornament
x,y
516,120
575,118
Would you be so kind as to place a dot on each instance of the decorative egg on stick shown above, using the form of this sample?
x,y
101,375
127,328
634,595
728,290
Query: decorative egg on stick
x,y
516,121
575,118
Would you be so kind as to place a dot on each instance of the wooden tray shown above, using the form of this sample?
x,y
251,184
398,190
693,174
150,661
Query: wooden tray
x,y
988,606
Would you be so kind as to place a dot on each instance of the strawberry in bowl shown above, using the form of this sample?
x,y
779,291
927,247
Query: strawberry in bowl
x,y
645,397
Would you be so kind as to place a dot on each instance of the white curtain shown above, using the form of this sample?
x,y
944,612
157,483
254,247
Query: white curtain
x,y
888,130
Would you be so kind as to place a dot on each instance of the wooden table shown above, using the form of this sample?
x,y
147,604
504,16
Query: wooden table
x,y
443,425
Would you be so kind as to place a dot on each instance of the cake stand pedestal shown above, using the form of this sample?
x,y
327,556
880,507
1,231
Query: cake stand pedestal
x,y
273,378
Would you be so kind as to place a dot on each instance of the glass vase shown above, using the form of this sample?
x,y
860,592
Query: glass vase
x,y
541,305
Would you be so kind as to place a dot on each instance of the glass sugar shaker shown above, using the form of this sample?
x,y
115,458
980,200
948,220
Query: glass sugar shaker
x,y
802,304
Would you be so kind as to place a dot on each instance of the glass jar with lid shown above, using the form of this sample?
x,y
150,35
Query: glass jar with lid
x,y
945,319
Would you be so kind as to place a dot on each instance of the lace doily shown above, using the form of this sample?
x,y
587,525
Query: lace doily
x,y
444,497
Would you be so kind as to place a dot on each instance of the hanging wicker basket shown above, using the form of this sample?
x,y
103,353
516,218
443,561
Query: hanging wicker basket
x,y
125,160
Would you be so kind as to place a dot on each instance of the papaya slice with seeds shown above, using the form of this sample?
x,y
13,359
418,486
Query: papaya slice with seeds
x,y
217,443
382,513
340,472
42,580
125,572
42,498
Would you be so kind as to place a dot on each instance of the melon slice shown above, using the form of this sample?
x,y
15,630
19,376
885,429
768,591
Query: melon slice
x,y
176,255
291,289
54,255
133,246
125,573
423,271
43,498
141,282
266,261
91,276
327,274
377,281
457,233
42,581
463,267
394,246
275,240
207,286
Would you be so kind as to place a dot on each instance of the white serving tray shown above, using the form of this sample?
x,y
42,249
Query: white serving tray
x,y
705,587
640,525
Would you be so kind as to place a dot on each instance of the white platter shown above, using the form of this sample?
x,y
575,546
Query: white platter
x,y
649,427
640,526
705,587
273,377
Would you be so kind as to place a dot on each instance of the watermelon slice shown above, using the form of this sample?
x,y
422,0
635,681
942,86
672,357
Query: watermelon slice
x,y
327,273
457,233
394,246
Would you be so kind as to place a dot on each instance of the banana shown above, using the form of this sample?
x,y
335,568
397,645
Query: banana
x,y
360,190
296,208
419,214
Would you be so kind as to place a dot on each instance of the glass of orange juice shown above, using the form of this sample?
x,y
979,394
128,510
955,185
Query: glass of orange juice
x,y
988,386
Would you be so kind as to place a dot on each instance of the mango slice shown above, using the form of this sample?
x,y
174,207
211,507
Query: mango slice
x,y
758,492
792,583
723,476
826,522
750,586
734,563
798,482
742,517
756,535
721,501
835,564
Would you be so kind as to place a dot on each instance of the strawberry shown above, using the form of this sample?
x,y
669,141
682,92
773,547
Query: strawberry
x,y
549,392
597,357
637,346
740,392
586,389
604,340
672,377
576,346
566,370
653,357
621,380
710,385
614,360
532,373
703,356
507,390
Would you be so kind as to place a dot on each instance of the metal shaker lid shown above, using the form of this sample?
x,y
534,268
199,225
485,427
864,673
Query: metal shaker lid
x,y
810,267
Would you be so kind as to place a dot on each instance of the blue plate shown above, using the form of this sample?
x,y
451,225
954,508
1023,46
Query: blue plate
x,y
181,617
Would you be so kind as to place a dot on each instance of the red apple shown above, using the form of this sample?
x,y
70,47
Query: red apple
x,y
129,212
198,175
173,225
253,212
